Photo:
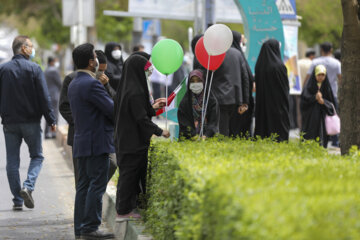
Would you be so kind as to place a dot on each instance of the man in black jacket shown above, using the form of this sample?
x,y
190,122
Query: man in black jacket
x,y
24,99
65,111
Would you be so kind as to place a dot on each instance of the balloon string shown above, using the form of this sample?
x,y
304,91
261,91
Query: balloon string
x,y
166,105
204,97
207,100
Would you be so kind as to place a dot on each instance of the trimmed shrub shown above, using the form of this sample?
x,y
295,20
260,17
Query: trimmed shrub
x,y
240,189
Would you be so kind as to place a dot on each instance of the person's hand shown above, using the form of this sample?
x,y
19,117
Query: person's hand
x,y
243,108
159,103
318,95
165,134
103,79
53,127
319,98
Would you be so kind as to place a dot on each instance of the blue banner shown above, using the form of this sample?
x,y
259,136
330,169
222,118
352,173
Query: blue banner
x,y
262,22
287,9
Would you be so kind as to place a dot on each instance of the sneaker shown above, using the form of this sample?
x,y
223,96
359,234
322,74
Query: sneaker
x,y
132,216
28,200
17,207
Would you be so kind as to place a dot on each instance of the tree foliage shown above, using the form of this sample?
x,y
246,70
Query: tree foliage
x,y
38,18
42,19
321,21
111,28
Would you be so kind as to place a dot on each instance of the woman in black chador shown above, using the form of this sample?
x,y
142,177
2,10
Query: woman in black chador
x,y
134,108
240,124
190,109
317,100
272,93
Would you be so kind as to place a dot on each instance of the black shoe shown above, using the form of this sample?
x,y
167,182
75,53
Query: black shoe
x,y
28,200
17,207
97,235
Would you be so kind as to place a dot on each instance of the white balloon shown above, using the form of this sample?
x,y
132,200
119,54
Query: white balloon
x,y
218,39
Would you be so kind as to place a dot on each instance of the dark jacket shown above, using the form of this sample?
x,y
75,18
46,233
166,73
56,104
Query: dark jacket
x,y
53,81
64,105
92,110
231,83
24,96
114,67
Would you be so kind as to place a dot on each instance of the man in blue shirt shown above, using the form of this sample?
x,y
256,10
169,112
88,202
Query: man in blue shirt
x,y
24,99
93,112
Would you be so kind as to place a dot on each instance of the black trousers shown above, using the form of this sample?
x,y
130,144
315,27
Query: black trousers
x,y
112,168
132,180
93,175
226,114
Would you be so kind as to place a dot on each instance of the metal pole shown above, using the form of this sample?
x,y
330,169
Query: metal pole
x,y
79,28
209,13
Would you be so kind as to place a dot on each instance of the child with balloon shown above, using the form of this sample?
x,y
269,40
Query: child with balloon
x,y
191,108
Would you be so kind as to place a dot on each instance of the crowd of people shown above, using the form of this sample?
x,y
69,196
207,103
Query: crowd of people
x,y
109,104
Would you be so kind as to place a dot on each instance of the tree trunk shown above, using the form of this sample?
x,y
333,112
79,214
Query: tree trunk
x,y
349,91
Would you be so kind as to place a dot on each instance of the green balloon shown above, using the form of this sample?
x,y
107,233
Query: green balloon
x,y
167,56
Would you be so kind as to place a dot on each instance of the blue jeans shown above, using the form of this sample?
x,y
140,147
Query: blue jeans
x,y
14,134
93,178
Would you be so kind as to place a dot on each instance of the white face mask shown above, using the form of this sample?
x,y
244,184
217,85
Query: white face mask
x,y
97,65
243,47
148,74
116,54
57,64
196,87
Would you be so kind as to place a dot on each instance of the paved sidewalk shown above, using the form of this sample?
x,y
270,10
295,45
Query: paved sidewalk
x,y
52,217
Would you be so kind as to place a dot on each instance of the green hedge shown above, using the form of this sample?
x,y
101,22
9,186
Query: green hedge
x,y
240,189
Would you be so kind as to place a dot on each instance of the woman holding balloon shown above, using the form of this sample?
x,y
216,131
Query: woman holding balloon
x,y
190,109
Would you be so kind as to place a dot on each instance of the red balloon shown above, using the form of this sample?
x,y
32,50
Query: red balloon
x,y
203,57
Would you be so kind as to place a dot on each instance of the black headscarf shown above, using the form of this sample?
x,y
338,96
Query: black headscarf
x,y
109,47
236,40
141,53
114,66
196,64
272,93
186,114
241,124
313,113
133,111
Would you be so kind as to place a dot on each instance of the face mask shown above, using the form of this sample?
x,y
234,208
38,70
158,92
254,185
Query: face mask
x,y
57,64
97,65
116,54
147,74
99,74
196,87
243,47
32,55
